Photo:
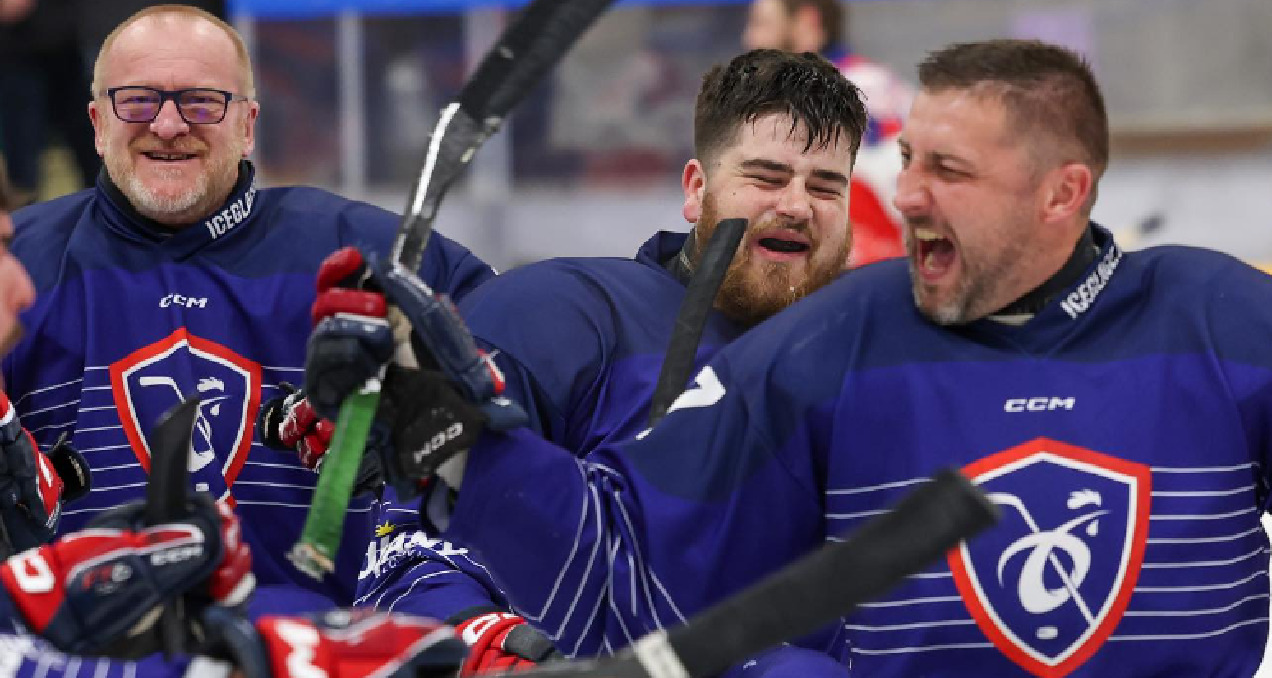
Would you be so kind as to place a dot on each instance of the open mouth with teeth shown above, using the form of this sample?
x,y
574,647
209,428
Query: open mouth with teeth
x,y
934,255
168,156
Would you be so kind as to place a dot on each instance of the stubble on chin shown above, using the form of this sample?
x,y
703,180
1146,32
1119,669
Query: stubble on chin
x,y
755,291
192,201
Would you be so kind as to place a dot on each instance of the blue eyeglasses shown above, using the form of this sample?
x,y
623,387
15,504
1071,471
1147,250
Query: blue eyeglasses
x,y
197,105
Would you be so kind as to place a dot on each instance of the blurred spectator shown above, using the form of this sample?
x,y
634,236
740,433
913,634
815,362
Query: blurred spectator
x,y
818,26
43,88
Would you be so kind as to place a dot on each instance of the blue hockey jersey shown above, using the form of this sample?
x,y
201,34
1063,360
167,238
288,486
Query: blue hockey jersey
x,y
1124,431
130,319
585,369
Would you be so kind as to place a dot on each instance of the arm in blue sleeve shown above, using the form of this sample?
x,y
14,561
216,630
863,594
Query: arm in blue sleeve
x,y
641,535
407,570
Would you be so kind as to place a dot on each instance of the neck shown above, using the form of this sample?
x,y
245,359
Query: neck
x,y
168,226
1033,301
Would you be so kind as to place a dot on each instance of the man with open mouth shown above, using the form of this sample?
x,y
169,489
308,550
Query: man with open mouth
x,y
1116,406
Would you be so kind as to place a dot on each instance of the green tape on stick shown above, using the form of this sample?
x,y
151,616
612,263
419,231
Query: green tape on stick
x,y
315,553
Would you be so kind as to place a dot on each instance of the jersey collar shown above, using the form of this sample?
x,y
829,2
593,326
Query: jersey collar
x,y
124,220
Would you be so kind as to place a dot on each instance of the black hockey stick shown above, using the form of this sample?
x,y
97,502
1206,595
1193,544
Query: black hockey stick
x,y
527,49
166,496
699,299
806,595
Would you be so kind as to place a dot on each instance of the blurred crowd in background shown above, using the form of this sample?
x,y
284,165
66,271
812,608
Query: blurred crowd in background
x,y
588,163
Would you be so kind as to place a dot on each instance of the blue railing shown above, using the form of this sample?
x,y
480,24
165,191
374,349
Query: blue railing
x,y
271,9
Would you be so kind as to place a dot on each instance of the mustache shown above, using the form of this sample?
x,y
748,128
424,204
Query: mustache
x,y
803,228
918,222
160,147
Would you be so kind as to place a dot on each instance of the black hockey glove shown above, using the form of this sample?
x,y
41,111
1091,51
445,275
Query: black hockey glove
x,y
289,423
441,390
97,591
34,485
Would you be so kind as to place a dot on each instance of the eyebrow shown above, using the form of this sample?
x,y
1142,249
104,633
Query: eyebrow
x,y
936,155
771,166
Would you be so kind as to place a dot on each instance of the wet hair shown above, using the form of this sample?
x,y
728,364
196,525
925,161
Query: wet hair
x,y
1047,90
830,12
187,12
807,87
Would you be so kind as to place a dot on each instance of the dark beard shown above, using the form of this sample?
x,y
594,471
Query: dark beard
x,y
750,298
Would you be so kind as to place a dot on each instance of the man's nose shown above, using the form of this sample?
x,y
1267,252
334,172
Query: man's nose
x,y
912,193
169,123
794,203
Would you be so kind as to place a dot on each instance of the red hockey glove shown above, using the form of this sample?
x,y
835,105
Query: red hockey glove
x,y
342,644
502,641
98,591
290,424
33,484
432,411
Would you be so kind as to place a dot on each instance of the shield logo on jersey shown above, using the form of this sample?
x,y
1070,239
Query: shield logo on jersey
x,y
154,378
1051,581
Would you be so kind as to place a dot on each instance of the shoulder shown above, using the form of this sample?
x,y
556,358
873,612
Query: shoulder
x,y
551,283
306,207
1193,272
308,214
42,233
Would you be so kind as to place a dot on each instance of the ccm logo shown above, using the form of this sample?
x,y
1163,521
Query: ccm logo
x,y
188,302
1039,404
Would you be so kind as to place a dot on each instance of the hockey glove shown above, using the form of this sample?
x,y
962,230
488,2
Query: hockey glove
x,y
345,643
501,641
440,392
289,423
33,485
100,590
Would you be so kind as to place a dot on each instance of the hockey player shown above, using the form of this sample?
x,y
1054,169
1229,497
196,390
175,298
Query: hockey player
x,y
178,276
1116,405
817,26
581,340
95,591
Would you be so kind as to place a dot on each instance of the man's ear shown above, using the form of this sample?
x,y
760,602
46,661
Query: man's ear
x,y
249,127
694,182
1067,191
95,117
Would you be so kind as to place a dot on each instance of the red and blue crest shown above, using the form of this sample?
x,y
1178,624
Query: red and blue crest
x,y
152,379
1051,581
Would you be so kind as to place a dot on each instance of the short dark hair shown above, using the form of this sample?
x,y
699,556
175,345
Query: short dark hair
x,y
805,86
1045,88
830,12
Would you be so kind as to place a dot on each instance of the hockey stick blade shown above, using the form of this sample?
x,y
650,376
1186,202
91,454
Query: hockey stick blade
x,y
524,52
699,299
166,495
807,594
529,47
